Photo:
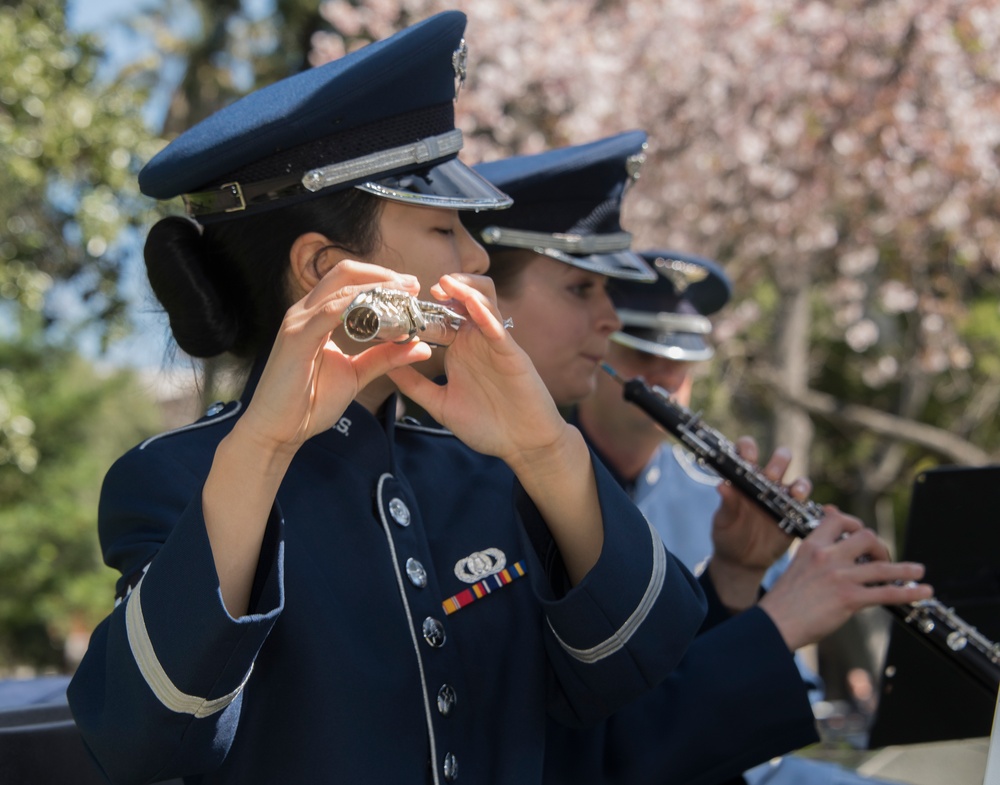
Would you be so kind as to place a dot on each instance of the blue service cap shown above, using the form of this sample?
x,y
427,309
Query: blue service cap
x,y
381,119
669,317
567,205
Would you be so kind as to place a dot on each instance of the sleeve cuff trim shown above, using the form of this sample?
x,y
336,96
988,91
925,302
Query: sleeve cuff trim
x,y
152,671
620,638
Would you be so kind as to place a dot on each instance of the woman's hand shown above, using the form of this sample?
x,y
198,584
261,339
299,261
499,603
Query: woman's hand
x,y
305,387
742,532
308,380
494,400
825,584
746,540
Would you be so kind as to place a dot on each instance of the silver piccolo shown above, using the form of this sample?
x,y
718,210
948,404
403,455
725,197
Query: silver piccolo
x,y
388,315
931,620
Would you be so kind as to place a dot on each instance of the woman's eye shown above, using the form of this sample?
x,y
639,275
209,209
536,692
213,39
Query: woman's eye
x,y
580,289
447,231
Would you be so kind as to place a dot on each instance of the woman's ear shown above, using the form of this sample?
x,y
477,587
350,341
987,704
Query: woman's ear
x,y
312,256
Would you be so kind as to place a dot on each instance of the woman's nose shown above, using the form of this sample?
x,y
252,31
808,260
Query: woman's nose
x,y
474,258
607,316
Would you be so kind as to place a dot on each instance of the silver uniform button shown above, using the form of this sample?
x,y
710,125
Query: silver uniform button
x,y
433,632
399,511
215,408
416,573
450,767
446,699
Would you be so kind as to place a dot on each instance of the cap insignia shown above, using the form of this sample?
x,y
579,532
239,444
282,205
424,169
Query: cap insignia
x,y
460,62
633,164
680,273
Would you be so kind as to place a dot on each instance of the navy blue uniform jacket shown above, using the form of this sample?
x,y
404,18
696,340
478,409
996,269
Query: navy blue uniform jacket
x,y
737,699
347,668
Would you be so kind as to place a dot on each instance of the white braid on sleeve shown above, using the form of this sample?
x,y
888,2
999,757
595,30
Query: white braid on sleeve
x,y
152,671
621,636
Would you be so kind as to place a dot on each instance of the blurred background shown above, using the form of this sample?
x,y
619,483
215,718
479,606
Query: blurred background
x,y
840,159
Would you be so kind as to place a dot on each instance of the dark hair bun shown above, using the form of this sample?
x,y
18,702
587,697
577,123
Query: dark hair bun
x,y
179,267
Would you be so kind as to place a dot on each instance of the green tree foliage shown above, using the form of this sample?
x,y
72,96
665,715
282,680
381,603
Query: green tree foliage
x,y
72,146
230,51
74,139
53,586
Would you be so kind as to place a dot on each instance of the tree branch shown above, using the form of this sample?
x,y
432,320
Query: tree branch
x,y
940,441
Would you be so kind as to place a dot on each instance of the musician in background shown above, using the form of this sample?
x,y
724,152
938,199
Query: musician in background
x,y
664,335
737,699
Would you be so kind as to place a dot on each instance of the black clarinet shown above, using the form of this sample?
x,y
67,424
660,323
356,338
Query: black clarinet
x,y
932,621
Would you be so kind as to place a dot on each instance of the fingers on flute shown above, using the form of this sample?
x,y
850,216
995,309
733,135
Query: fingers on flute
x,y
382,358
478,298
776,467
462,287
348,278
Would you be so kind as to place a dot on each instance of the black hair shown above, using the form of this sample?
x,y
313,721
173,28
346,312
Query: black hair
x,y
225,287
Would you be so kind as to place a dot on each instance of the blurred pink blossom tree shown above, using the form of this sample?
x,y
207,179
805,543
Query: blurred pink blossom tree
x,y
839,158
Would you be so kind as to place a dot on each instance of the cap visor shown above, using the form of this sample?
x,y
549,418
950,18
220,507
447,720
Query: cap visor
x,y
688,347
619,264
451,184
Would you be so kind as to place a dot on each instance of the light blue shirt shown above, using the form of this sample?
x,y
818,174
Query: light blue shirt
x,y
679,498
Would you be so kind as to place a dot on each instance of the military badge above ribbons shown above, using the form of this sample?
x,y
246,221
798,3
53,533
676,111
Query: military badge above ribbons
x,y
488,568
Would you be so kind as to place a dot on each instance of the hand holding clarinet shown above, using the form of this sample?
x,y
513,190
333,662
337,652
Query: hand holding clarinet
x,y
839,568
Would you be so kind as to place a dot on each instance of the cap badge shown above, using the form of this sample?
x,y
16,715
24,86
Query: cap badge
x,y
633,164
680,273
460,62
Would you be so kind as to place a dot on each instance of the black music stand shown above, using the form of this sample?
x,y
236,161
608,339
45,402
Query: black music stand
x,y
954,529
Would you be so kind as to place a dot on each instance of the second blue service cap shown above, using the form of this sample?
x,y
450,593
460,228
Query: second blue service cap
x,y
567,205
